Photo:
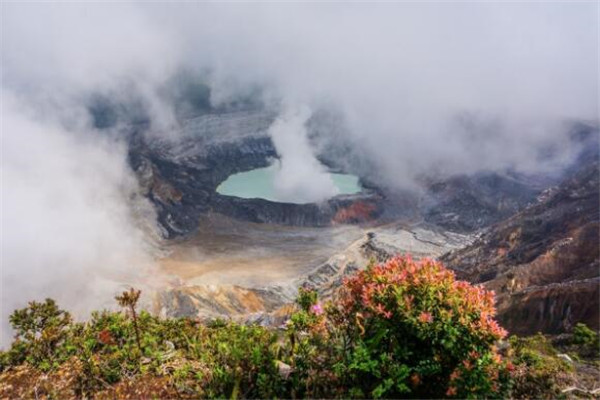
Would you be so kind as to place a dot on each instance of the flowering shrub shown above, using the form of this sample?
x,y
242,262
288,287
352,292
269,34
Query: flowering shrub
x,y
408,328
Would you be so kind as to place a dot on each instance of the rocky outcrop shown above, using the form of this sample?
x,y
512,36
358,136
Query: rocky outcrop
x,y
543,262
180,174
311,214
553,308
468,203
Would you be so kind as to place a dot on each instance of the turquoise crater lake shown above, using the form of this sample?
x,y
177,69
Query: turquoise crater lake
x,y
259,184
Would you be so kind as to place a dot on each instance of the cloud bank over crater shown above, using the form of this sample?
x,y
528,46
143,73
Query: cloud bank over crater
x,y
452,87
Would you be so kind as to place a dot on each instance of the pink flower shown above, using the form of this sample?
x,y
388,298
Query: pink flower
x,y
467,365
425,317
473,354
316,309
454,375
510,366
451,391
381,310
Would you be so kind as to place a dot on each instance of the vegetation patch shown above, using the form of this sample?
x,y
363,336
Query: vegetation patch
x,y
403,329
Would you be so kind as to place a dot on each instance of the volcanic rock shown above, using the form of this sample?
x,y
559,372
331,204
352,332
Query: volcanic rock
x,y
543,262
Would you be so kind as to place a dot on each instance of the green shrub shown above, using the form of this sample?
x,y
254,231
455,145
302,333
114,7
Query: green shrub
x,y
40,331
307,297
582,335
223,359
539,372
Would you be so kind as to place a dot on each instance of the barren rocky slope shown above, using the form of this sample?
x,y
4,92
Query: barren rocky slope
x,y
544,261
268,303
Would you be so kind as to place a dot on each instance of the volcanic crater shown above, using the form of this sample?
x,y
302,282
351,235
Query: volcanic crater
x,y
181,177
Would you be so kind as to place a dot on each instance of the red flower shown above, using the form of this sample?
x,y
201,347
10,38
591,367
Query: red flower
x,y
105,337
425,317
510,366
467,365
473,354
454,375
415,379
451,391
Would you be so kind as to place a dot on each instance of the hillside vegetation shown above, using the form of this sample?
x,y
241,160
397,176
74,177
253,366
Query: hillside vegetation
x,y
403,329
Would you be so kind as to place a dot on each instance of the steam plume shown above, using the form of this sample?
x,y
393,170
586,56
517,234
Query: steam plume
x,y
300,177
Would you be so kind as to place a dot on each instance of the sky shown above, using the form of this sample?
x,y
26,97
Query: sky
x,y
420,88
